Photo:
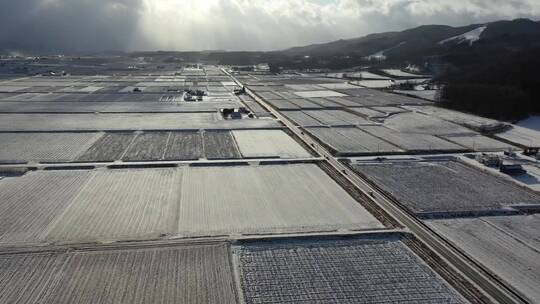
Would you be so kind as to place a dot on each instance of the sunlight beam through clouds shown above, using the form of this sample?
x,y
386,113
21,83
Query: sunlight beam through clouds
x,y
278,24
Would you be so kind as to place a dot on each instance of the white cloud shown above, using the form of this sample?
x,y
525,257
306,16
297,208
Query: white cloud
x,y
277,24
230,24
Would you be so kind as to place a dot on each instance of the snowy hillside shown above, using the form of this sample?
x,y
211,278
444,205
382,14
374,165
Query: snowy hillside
x,y
470,37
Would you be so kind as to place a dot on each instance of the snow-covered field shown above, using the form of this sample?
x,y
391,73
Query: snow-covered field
x,y
426,94
375,84
521,136
471,121
531,179
415,81
508,246
400,73
532,122
367,76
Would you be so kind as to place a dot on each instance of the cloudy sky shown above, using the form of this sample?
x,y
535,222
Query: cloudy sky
x,y
93,25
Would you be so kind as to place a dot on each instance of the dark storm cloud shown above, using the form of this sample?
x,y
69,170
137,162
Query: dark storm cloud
x,y
68,25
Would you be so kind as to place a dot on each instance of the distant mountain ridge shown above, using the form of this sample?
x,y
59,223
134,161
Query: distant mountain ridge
x,y
487,69
422,41
438,46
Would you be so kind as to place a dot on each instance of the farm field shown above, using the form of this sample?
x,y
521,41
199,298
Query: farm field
x,y
123,122
412,142
423,124
479,143
185,274
110,147
138,204
220,145
126,179
30,203
48,147
521,136
268,143
186,145
352,271
507,245
234,200
120,204
471,121
300,118
460,188
352,141
147,146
